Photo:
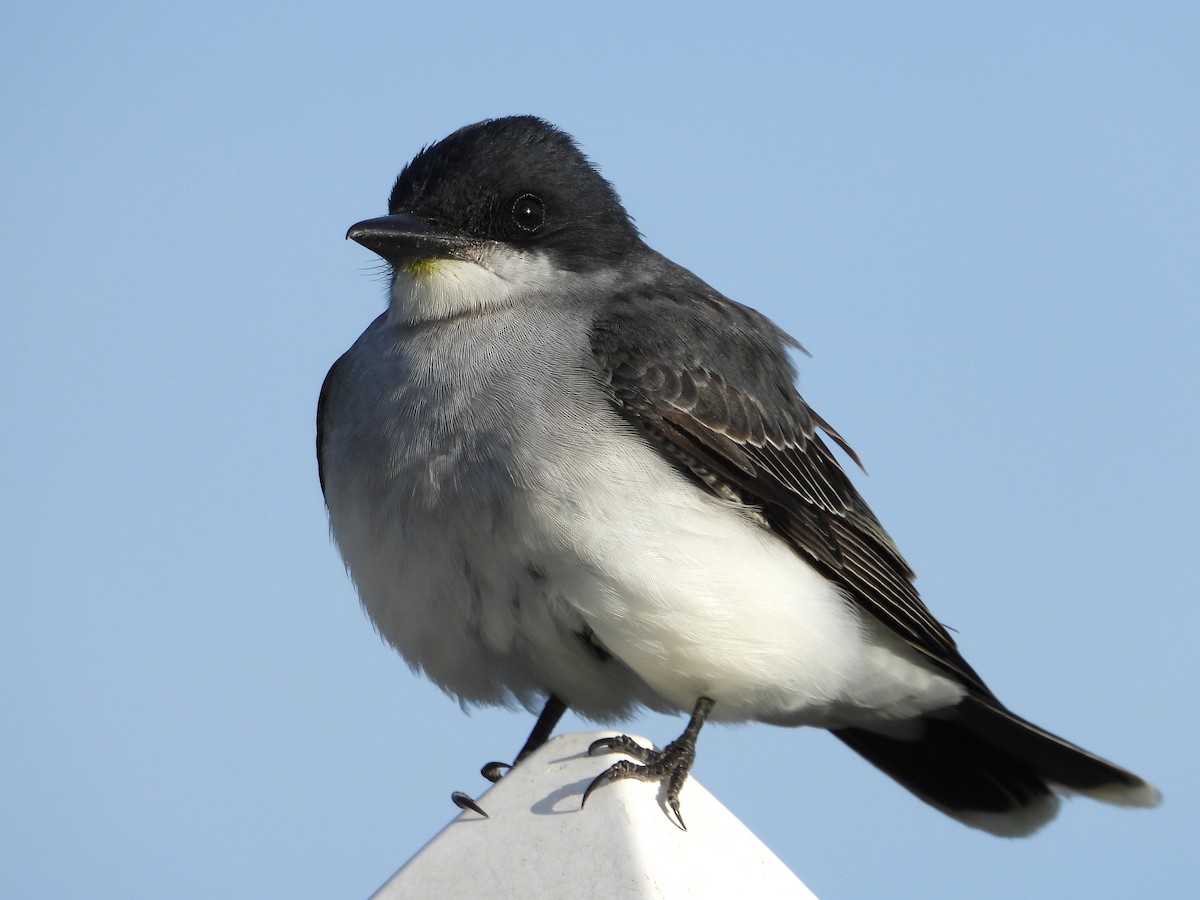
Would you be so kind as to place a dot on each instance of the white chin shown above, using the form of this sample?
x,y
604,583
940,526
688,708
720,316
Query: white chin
x,y
446,288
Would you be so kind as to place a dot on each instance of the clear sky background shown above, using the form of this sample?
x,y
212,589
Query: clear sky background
x,y
982,220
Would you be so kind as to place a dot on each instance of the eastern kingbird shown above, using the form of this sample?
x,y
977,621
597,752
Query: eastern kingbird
x,y
560,468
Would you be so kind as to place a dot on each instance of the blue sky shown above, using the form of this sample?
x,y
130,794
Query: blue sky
x,y
982,221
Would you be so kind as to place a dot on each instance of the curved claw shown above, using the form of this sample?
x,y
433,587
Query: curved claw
x,y
463,801
596,782
596,745
621,743
615,772
494,771
673,802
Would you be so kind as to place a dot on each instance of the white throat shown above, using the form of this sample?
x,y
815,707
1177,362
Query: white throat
x,y
434,289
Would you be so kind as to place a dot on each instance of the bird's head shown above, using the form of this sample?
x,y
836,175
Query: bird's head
x,y
493,211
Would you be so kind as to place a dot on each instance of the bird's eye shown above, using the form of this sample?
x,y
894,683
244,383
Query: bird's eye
x,y
529,212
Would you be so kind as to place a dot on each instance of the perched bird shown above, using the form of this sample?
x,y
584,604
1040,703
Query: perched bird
x,y
561,468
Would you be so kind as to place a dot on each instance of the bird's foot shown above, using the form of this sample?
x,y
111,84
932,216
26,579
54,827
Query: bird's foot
x,y
671,764
493,772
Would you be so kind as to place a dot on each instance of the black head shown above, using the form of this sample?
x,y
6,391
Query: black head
x,y
520,181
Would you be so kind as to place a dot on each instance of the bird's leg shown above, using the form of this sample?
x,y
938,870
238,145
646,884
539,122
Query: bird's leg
x,y
672,763
542,728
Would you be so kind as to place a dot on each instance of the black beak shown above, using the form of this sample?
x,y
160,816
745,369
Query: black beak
x,y
406,238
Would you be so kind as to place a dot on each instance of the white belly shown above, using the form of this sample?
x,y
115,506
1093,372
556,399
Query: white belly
x,y
540,551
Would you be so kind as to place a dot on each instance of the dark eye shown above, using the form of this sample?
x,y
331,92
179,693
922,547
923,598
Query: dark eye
x,y
529,212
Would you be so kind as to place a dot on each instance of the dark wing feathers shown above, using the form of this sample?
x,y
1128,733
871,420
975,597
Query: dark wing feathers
x,y
747,434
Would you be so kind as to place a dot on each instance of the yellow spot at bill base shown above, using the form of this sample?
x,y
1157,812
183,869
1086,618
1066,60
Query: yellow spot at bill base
x,y
423,268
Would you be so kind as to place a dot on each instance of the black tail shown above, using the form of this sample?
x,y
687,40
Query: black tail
x,y
993,770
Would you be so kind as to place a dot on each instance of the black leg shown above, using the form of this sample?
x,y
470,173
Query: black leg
x,y
672,763
542,729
